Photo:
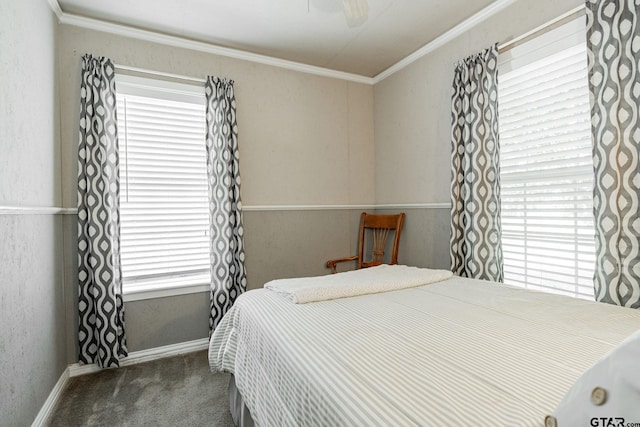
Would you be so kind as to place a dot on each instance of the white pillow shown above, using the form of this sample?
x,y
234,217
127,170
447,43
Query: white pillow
x,y
608,393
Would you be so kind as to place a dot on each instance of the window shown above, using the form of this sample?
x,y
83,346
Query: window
x,y
546,169
164,216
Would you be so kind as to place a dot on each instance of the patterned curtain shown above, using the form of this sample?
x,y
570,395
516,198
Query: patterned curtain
x,y
476,249
228,276
101,326
613,41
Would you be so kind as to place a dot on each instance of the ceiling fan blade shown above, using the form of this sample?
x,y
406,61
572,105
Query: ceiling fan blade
x,y
356,12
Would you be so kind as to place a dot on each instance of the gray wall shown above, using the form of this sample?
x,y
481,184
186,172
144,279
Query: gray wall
x,y
412,122
283,244
304,140
32,315
425,237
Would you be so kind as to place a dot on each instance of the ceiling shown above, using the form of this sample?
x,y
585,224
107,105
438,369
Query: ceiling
x,y
313,32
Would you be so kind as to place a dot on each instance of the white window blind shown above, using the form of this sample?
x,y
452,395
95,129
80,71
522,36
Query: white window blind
x,y
163,184
546,168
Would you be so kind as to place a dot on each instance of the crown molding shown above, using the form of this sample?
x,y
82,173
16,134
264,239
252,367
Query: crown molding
x,y
446,37
181,42
55,6
156,37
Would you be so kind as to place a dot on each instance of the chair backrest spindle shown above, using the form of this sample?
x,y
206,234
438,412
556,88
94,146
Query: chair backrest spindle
x,y
380,227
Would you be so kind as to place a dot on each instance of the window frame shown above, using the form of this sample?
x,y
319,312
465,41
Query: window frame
x,y
192,93
568,35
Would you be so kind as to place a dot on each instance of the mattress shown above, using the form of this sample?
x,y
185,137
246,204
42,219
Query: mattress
x,y
457,352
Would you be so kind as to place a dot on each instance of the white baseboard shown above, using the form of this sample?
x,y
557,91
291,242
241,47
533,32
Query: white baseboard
x,y
134,358
148,355
51,401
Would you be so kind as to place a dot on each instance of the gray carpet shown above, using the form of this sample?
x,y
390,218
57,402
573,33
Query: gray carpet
x,y
176,391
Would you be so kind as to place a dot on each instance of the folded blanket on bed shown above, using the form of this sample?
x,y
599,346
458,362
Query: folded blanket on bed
x,y
372,280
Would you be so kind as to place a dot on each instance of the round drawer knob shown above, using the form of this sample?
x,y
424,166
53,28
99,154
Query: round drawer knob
x,y
550,421
598,396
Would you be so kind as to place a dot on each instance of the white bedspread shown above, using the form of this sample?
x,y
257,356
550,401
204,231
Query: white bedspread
x,y
459,352
372,280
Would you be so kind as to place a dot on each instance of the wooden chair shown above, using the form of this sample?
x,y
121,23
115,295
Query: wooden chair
x,y
380,226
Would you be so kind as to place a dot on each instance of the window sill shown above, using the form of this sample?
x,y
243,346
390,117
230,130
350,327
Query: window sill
x,y
140,293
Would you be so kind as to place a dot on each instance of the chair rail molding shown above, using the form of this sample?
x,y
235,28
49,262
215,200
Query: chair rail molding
x,y
263,208
54,210
36,210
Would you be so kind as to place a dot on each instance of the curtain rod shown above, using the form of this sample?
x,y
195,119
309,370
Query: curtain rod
x,y
554,23
159,73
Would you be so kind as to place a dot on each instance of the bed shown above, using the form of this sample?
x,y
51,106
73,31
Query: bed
x,y
454,352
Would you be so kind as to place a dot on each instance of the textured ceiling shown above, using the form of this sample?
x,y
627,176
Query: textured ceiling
x,y
313,32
